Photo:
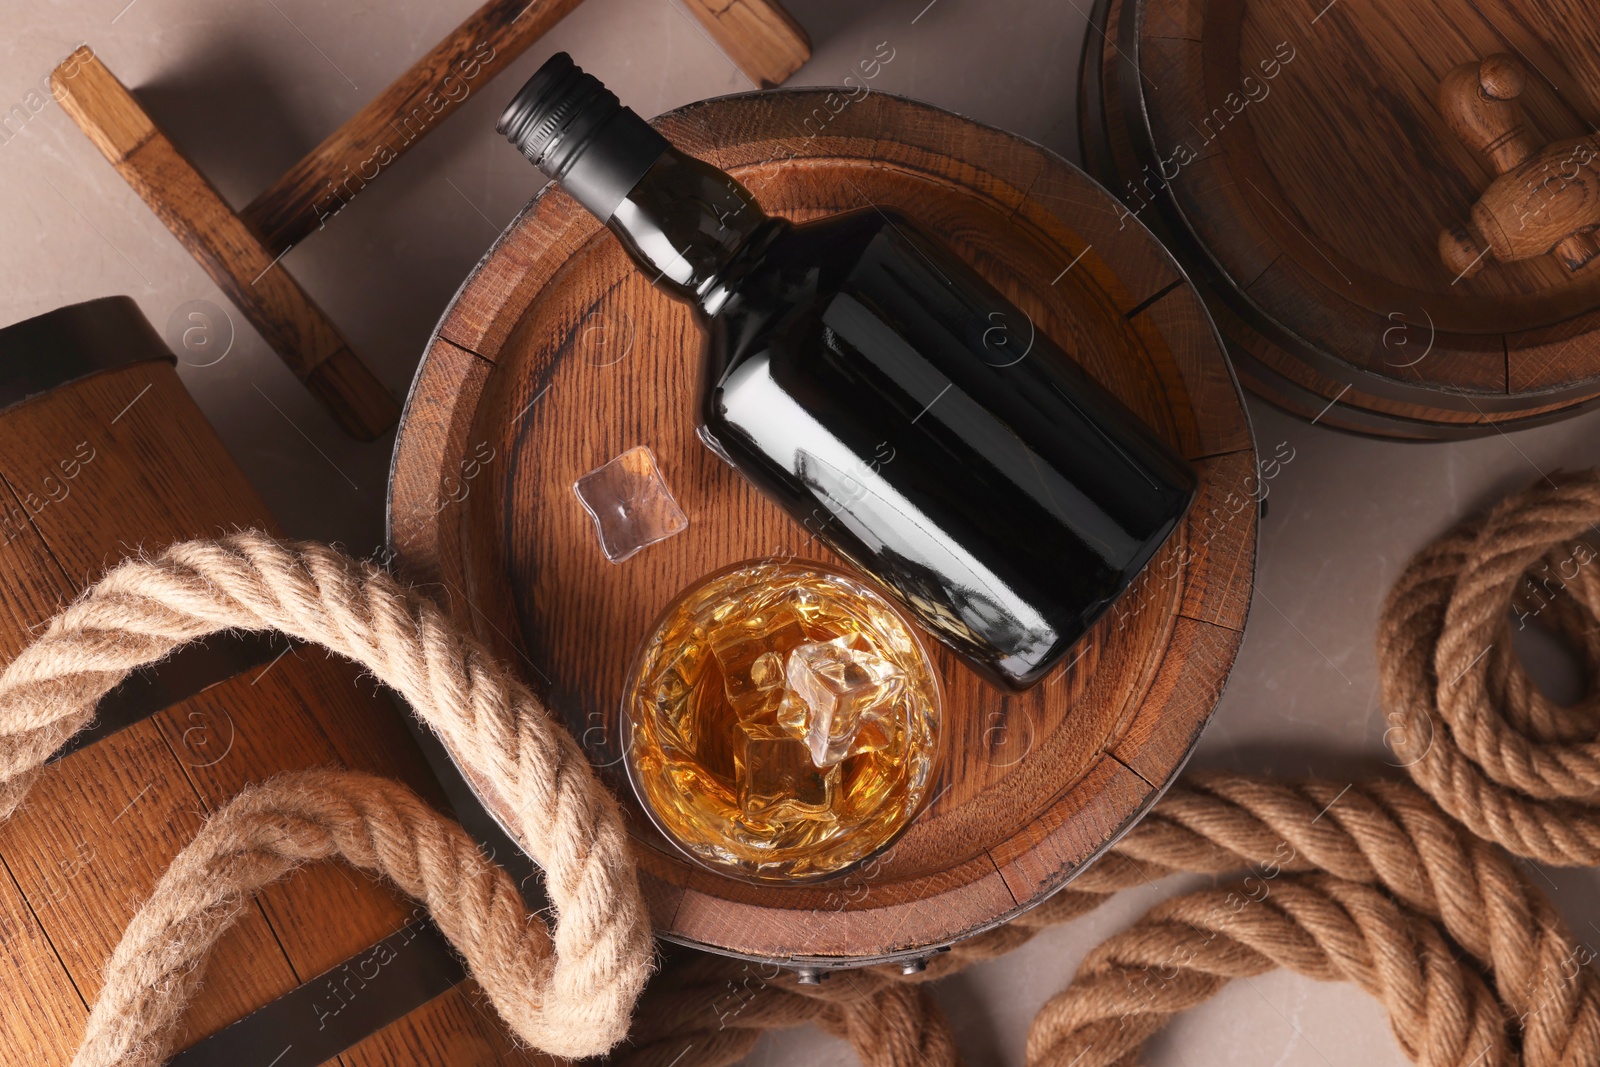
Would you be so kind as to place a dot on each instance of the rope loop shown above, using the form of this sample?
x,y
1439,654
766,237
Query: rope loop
x,y
572,992
1467,722
1404,888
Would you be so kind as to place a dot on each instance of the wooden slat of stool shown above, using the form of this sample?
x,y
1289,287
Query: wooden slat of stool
x,y
758,35
322,182
241,250
761,38
290,321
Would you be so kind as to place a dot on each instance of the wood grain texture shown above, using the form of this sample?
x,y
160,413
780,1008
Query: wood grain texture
x,y
1559,37
457,1028
114,463
42,1013
285,316
333,173
557,355
761,38
1295,157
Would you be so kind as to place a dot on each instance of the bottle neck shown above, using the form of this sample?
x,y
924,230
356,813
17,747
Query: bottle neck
x,y
688,225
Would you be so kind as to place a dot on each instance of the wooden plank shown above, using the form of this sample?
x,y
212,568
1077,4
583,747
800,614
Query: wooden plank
x,y
147,470
442,401
761,38
1181,699
1071,833
1220,540
97,832
1168,18
281,718
1561,356
428,92
128,490
1203,386
101,825
458,1029
32,586
290,321
41,1014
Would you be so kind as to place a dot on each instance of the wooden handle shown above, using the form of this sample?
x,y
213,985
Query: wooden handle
x,y
761,38
196,214
332,173
1479,102
1545,200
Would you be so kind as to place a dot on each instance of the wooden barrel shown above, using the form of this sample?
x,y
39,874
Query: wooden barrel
x,y
1302,161
557,355
103,453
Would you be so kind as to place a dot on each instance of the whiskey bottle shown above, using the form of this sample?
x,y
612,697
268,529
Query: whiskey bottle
x,y
888,397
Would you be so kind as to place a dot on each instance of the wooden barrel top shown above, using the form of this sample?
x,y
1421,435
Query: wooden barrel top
x,y
557,355
1295,158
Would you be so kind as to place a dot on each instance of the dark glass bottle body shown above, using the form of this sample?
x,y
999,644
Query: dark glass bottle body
x,y
898,406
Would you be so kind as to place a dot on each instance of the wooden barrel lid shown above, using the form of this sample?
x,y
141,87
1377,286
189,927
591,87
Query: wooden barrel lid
x,y
1296,158
61,346
108,455
557,355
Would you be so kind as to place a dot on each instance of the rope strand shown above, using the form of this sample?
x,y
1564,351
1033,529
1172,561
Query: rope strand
x,y
1460,714
601,945
266,831
1397,887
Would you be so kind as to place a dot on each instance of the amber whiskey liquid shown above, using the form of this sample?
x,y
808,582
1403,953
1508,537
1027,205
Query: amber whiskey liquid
x,y
783,722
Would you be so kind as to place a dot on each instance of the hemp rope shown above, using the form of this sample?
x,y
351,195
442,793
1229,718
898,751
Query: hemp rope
x,y
573,991
1472,728
265,832
1375,865
1353,890
1372,883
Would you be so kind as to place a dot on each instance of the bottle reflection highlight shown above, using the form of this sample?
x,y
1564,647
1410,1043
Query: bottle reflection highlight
x,y
894,402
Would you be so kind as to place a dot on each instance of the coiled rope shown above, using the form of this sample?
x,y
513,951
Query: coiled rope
x,y
1398,887
1392,885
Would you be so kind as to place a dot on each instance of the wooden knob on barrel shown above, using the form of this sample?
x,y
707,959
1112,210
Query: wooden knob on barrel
x,y
1479,103
1545,200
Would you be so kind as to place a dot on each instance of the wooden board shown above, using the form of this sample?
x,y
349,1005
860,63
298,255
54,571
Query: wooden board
x,y
1294,156
90,472
286,317
557,355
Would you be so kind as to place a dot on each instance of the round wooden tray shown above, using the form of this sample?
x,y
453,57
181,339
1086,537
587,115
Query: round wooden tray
x,y
557,355
1311,211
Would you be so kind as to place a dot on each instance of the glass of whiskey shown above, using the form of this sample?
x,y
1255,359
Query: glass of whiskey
x,y
781,722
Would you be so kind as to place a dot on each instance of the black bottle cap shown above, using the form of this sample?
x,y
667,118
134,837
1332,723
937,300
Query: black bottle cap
x,y
575,130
